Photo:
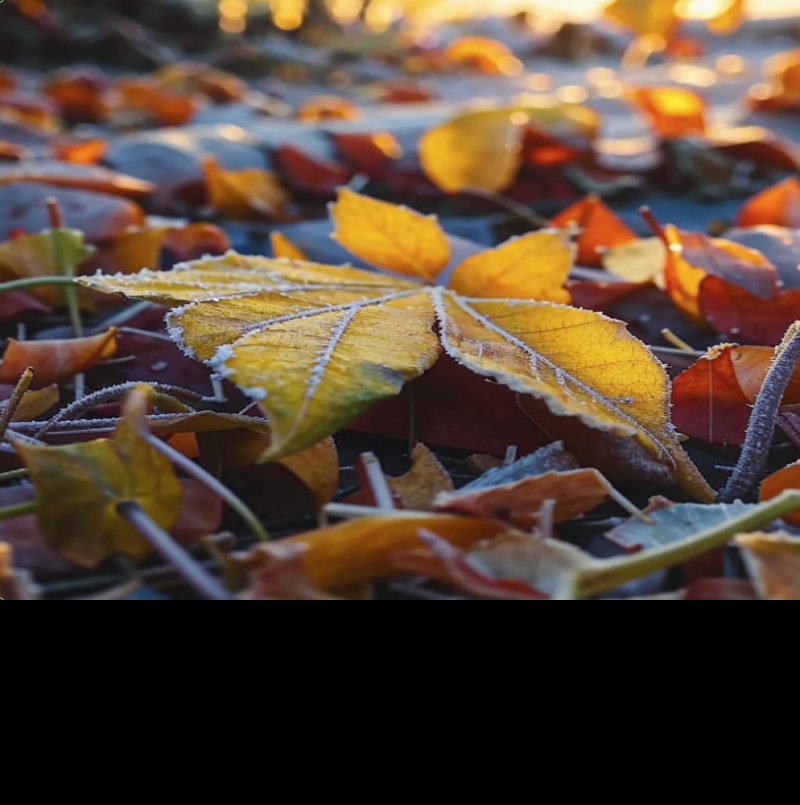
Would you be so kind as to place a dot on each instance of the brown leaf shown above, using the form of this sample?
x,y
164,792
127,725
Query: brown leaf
x,y
427,478
774,563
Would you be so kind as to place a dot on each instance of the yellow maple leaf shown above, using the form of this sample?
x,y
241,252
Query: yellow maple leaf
x,y
395,238
318,345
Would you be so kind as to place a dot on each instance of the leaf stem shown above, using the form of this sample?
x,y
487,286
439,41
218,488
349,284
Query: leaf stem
x,y
19,510
760,432
217,487
606,576
14,475
62,267
512,206
30,283
190,570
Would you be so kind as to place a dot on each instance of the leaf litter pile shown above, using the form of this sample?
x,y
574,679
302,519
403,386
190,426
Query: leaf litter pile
x,y
368,318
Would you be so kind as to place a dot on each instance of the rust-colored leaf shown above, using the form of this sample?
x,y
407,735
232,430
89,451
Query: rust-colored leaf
x,y
421,485
54,361
778,206
672,112
774,563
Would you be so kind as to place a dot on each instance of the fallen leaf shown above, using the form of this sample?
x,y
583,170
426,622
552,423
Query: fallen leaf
x,y
33,256
304,173
420,486
56,361
362,550
737,313
35,403
483,54
520,504
194,78
475,151
780,481
672,112
774,563
673,523
692,258
370,154
645,17
553,458
98,216
277,573
79,93
713,399
91,178
395,238
778,205
81,152
779,245
82,485
246,194
328,107
534,266
639,261
601,229
282,247
154,103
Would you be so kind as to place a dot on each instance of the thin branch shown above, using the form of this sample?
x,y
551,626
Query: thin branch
x,y
190,570
23,384
514,207
112,394
62,267
752,464
208,480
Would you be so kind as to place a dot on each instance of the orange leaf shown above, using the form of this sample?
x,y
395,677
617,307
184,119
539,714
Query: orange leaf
x,y
54,361
395,238
362,550
786,479
673,112
693,257
283,247
713,399
162,106
81,152
328,107
483,54
774,563
601,229
246,194
778,205
520,504
75,177
534,266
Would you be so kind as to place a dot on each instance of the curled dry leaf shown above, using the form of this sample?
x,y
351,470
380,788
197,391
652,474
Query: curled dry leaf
x,y
82,485
774,563
421,485
713,399
277,573
34,404
91,178
601,229
777,206
520,504
392,237
534,266
246,194
512,567
362,550
56,361
693,257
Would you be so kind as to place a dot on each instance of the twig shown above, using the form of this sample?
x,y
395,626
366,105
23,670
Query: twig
x,y
760,432
677,341
30,283
23,384
514,207
192,572
126,315
373,479
112,394
14,475
654,224
208,480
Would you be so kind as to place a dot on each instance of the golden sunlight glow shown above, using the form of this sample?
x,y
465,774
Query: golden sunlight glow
x,y
379,15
